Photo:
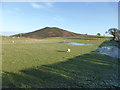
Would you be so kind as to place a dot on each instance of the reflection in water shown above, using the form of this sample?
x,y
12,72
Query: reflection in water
x,y
109,50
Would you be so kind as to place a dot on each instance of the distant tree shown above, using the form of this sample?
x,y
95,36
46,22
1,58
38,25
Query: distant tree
x,y
115,32
98,34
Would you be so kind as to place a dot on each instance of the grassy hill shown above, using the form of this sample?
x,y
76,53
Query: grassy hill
x,y
48,32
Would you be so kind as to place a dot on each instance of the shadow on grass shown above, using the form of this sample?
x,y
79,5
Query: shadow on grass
x,y
90,70
110,43
61,51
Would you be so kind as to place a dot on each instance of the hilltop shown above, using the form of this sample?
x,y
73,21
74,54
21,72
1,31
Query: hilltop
x,y
47,32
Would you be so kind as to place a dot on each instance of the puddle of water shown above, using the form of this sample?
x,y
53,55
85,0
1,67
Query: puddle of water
x,y
78,44
110,51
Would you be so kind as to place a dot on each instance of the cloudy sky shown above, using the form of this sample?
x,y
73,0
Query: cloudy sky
x,y
79,17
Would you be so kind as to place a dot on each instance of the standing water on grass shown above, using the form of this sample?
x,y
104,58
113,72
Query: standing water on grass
x,y
78,44
110,51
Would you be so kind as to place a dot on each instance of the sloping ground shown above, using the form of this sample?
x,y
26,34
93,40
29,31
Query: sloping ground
x,y
33,63
110,51
47,32
110,47
110,43
91,70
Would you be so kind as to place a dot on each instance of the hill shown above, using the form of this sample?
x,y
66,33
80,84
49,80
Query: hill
x,y
47,32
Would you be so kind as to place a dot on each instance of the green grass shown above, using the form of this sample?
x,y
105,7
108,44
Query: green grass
x,y
110,43
44,63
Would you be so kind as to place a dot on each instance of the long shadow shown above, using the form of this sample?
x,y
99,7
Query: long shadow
x,y
89,70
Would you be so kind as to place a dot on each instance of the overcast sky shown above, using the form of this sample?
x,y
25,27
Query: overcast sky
x,y
78,17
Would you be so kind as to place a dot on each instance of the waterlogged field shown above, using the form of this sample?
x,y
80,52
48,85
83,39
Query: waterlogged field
x,y
44,63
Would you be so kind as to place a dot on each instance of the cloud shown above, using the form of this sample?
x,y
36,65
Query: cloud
x,y
35,5
49,4
42,5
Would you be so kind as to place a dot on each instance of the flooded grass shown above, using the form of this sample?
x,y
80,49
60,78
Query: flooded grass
x,y
77,44
112,51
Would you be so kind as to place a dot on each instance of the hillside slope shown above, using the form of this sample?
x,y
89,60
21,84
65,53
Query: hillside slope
x,y
47,32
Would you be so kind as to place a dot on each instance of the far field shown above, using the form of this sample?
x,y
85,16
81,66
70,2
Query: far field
x,y
44,63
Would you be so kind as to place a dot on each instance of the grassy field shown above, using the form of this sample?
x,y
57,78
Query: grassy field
x,y
44,63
